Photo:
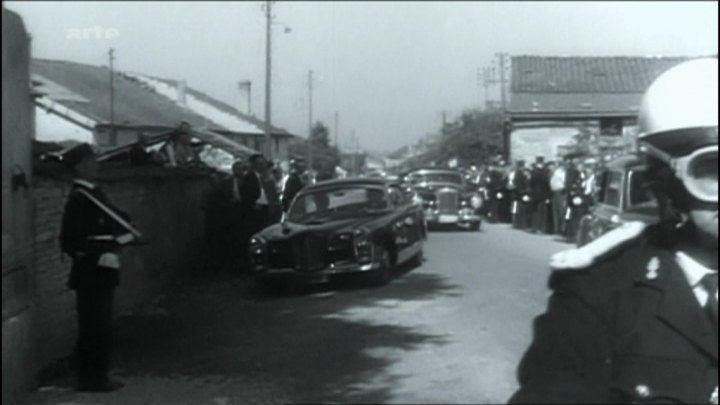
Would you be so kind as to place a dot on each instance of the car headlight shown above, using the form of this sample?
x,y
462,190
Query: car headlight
x,y
577,200
476,201
526,198
257,245
499,196
363,247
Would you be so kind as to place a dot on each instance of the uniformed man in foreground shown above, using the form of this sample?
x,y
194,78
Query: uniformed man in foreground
x,y
93,232
633,315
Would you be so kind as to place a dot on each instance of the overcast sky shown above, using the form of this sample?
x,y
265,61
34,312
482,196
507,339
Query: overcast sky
x,y
388,68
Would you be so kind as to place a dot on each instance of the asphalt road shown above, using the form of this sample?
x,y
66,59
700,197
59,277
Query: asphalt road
x,y
450,331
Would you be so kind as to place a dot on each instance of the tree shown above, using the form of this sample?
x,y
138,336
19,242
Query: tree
x,y
474,138
325,156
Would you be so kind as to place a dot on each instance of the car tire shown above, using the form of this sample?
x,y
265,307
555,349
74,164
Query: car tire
x,y
381,276
475,226
417,260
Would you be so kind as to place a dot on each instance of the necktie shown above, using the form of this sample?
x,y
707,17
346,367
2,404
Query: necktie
x,y
710,282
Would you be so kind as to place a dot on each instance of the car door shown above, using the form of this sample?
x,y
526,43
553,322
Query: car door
x,y
407,226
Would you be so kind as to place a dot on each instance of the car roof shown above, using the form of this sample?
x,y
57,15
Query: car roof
x,y
429,171
626,162
351,182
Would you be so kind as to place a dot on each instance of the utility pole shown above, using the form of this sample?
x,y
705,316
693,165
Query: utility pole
x,y
337,118
310,120
268,74
113,134
503,97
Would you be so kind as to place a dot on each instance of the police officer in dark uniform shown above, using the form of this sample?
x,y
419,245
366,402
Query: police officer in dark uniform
x,y
540,195
93,231
294,183
633,315
518,182
497,192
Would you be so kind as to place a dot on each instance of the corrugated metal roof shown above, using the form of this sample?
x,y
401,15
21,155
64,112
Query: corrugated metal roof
x,y
617,74
86,90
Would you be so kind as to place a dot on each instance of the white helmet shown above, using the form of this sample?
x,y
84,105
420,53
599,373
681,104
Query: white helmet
x,y
678,124
683,98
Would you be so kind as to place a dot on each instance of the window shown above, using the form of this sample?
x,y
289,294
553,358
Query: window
x,y
639,195
611,188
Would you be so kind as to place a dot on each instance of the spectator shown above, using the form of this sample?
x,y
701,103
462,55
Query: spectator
x,y
557,186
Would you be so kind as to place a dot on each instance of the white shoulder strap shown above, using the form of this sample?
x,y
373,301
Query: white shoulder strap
x,y
111,213
585,256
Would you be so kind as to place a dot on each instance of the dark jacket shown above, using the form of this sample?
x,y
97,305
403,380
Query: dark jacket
x,y
81,221
250,191
293,185
540,184
616,333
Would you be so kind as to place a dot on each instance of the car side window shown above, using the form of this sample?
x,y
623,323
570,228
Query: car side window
x,y
612,188
396,196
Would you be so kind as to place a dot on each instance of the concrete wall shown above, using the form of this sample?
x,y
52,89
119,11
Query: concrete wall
x,y
165,204
17,255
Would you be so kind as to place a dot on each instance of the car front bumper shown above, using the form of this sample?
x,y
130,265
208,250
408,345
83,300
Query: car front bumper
x,y
462,217
321,275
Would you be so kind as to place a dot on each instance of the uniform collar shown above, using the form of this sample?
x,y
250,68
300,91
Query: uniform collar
x,y
694,271
85,183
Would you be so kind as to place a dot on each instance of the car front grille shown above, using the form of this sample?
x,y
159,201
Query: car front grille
x,y
280,254
448,202
310,252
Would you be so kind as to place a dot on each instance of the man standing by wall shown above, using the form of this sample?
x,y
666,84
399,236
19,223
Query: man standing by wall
x,y
253,199
93,231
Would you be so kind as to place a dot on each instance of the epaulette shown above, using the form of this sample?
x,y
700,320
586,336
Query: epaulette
x,y
585,256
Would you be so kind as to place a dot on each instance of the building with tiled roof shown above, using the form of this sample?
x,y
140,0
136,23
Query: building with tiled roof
x,y
552,96
73,101
568,87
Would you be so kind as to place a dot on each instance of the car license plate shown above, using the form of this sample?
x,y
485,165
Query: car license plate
x,y
447,219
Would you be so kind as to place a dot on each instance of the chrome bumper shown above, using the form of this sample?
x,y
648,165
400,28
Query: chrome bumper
x,y
317,275
463,216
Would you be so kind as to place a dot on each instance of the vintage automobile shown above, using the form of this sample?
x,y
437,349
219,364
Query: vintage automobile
x,y
446,198
335,227
620,198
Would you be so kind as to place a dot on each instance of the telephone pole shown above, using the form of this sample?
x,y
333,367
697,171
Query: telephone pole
x,y
113,135
503,97
337,118
310,120
268,74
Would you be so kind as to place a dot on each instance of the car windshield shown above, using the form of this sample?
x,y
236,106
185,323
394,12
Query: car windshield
x,y
323,205
416,178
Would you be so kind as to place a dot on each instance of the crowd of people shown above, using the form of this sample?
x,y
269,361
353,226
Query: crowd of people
x,y
541,197
252,198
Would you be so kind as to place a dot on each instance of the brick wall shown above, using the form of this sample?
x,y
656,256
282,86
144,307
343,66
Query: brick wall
x,y
164,204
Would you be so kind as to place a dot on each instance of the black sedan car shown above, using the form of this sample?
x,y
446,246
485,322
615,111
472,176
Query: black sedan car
x,y
339,227
621,198
447,199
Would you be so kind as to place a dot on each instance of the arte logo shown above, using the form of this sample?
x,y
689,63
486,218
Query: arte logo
x,y
97,32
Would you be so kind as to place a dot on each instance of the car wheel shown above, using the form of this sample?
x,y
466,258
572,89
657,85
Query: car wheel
x,y
417,260
381,276
475,226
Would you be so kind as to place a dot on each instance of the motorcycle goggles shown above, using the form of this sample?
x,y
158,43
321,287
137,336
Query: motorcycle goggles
x,y
699,173
698,169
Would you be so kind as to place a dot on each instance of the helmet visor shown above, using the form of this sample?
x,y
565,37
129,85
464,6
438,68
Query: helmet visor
x,y
699,173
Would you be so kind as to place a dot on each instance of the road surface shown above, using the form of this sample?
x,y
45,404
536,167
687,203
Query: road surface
x,y
450,331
